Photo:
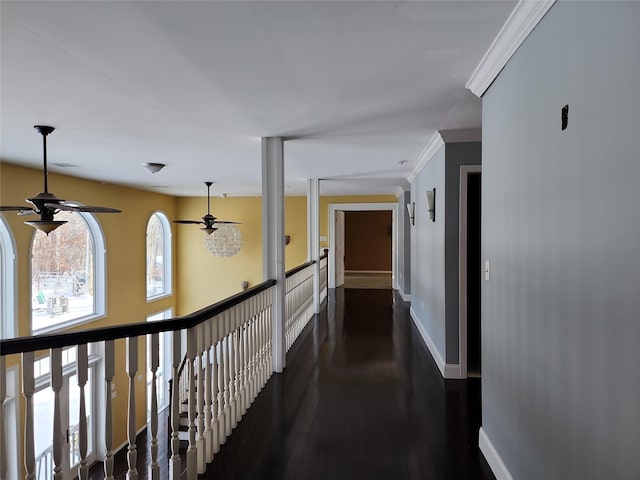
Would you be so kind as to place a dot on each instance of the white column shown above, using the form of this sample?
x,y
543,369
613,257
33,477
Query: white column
x,y
132,369
313,236
273,240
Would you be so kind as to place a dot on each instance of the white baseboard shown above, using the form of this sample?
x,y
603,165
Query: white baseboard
x,y
405,297
493,458
447,370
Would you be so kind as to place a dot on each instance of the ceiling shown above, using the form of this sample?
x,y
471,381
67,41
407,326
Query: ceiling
x,y
356,88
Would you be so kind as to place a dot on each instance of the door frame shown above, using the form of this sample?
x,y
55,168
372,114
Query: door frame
x,y
359,207
465,170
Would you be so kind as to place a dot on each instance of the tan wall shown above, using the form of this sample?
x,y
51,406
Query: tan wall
x,y
199,278
368,240
125,240
206,279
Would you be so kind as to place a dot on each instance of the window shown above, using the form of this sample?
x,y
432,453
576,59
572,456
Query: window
x,y
158,256
67,274
43,403
7,282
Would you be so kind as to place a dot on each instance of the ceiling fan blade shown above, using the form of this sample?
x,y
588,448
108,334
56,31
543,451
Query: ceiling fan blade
x,y
81,208
26,211
227,222
13,208
194,222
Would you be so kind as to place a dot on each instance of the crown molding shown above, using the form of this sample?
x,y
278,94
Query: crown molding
x,y
435,144
519,25
400,191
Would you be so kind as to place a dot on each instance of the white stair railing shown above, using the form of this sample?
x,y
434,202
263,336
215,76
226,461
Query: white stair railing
x,y
228,363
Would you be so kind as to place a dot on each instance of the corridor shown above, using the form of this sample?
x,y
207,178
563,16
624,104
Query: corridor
x,y
360,398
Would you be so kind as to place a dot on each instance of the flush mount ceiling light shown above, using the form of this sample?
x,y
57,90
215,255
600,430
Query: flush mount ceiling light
x,y
153,167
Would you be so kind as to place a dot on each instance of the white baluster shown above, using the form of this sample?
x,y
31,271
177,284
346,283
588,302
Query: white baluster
x,y
174,462
201,367
221,406
215,424
154,466
27,391
132,369
233,365
192,452
251,353
82,371
208,434
3,396
55,380
109,371
227,360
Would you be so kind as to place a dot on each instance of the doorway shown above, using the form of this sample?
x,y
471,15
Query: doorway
x,y
470,271
336,238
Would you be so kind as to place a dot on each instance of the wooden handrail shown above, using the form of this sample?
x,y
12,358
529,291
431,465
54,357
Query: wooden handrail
x,y
299,268
59,340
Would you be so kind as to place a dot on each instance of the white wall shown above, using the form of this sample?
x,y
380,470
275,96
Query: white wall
x,y
560,387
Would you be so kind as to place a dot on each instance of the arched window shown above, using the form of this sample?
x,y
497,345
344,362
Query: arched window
x,y
158,256
7,282
67,274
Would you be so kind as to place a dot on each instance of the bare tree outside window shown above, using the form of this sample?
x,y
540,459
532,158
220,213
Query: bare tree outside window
x,y
156,284
62,273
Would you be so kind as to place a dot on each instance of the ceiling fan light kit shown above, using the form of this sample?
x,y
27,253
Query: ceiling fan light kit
x,y
46,204
227,240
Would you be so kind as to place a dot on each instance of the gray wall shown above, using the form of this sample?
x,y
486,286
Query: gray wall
x,y
427,253
404,244
560,386
434,249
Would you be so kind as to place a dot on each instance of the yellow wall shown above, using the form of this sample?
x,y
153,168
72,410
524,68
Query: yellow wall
x,y
199,278
204,278
125,240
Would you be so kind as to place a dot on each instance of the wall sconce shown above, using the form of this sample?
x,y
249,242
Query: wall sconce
x,y
431,203
287,239
411,209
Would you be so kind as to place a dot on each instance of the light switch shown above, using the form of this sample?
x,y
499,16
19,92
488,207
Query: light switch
x,y
487,270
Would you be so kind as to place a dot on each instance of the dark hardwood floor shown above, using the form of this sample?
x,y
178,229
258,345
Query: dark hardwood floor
x,y
360,398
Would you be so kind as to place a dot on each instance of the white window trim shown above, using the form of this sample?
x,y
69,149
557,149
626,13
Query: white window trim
x,y
167,259
8,281
100,278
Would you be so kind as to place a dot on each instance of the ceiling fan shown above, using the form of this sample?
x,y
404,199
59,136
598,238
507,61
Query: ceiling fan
x,y
47,204
209,221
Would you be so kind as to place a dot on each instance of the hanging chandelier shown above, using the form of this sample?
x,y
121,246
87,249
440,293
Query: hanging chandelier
x,y
226,241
